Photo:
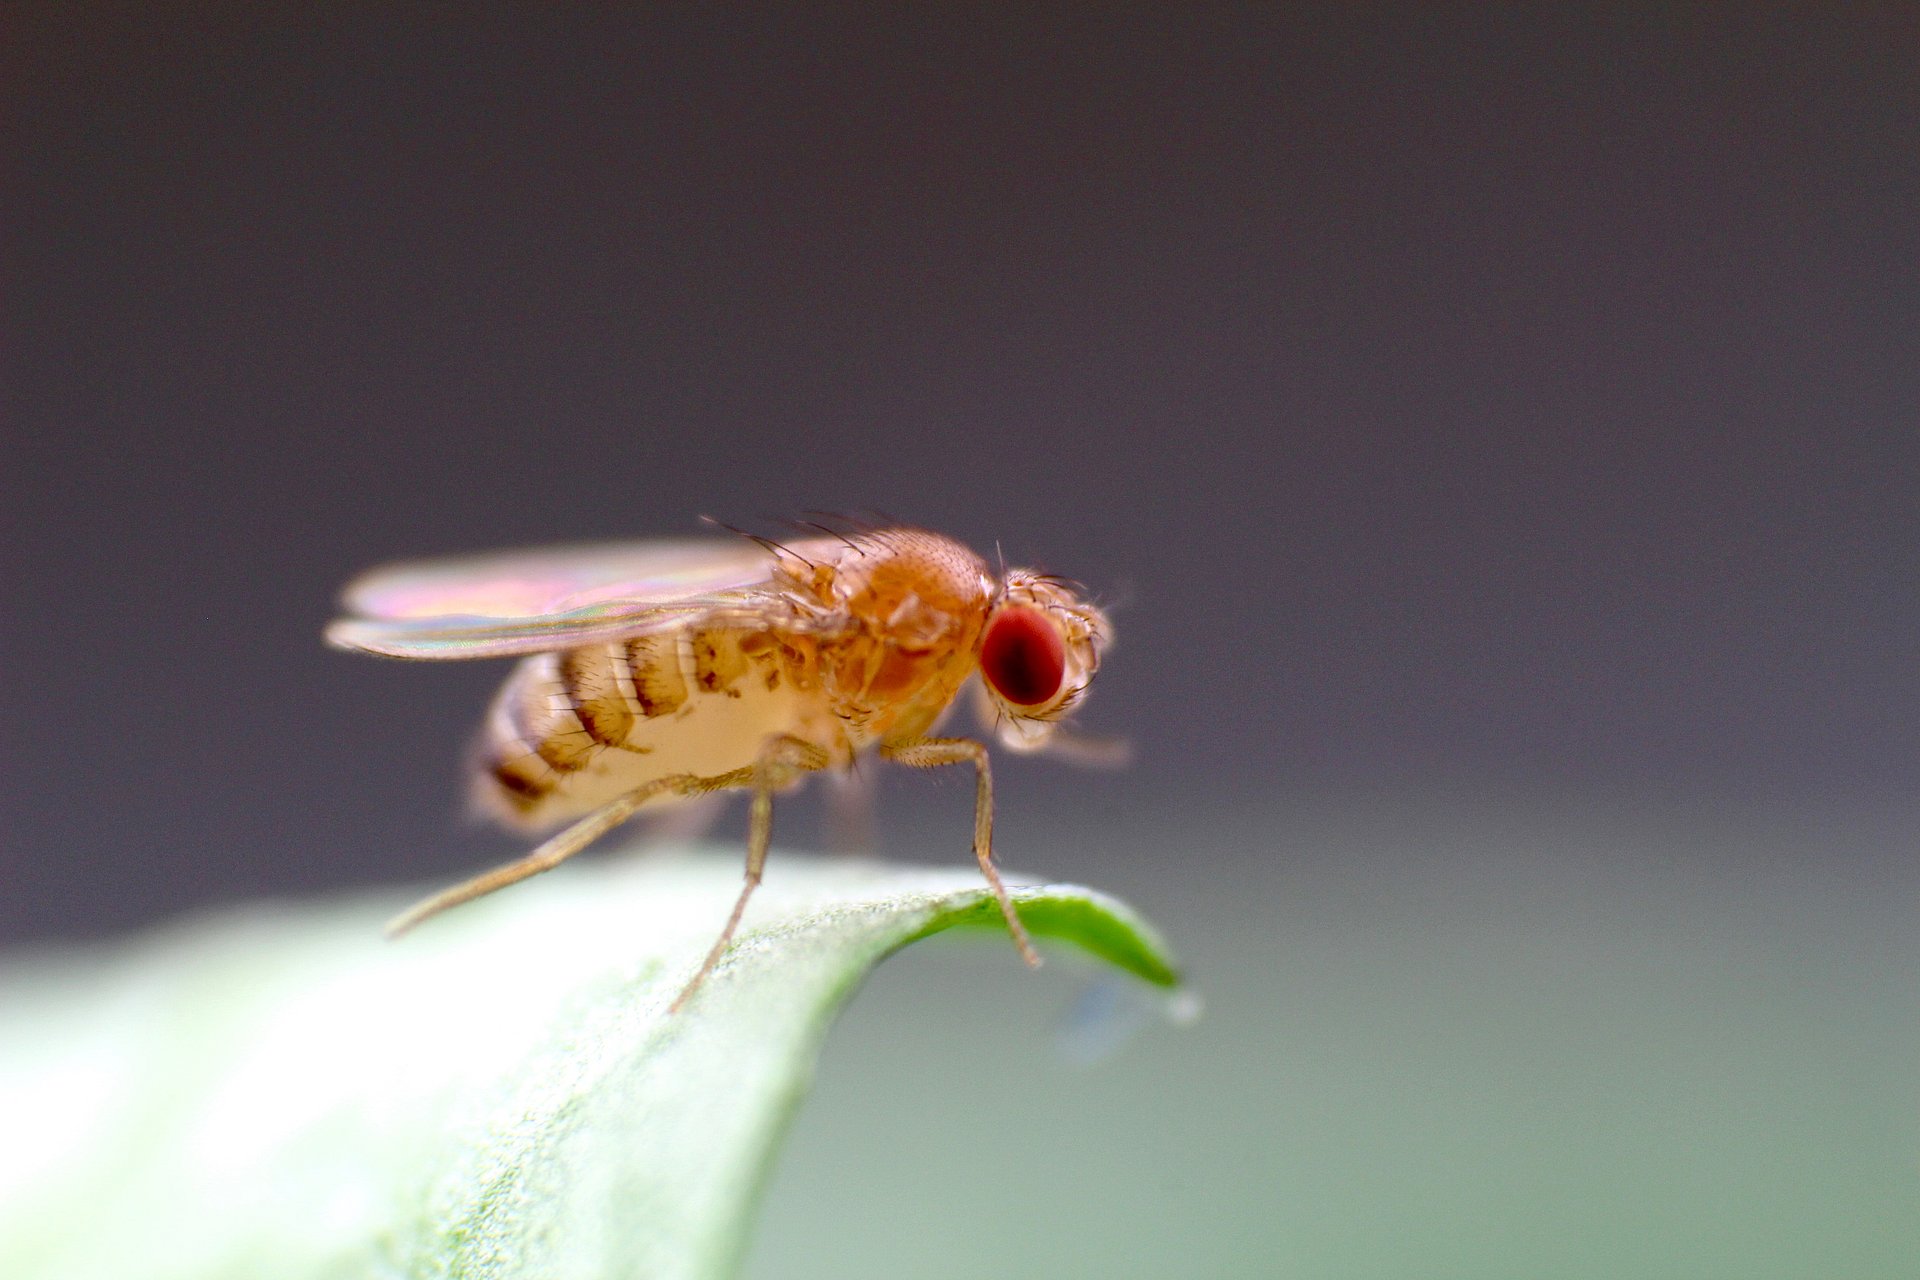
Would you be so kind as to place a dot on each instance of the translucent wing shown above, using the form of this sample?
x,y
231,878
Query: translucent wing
x,y
491,606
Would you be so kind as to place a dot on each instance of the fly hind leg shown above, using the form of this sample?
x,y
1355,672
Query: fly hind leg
x,y
781,762
564,845
932,753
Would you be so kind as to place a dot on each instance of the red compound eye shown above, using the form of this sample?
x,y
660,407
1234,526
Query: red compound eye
x,y
1023,657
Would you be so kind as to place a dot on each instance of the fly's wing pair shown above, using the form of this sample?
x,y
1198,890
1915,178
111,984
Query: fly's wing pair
x,y
521,602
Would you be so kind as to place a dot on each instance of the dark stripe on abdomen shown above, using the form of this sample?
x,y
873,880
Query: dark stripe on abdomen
x,y
595,682
654,663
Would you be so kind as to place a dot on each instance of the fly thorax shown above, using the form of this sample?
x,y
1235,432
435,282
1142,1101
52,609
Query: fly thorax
x,y
914,602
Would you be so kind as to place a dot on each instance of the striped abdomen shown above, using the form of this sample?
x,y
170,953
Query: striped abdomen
x,y
575,729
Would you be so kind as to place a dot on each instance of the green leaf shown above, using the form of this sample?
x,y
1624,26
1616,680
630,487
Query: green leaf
x,y
279,1092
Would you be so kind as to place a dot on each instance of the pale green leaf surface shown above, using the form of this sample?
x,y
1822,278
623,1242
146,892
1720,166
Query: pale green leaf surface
x,y
276,1091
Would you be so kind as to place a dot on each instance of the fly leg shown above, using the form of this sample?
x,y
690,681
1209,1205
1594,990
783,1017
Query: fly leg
x,y
781,762
558,848
851,830
931,753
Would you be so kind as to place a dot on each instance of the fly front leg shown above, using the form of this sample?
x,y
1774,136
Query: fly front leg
x,y
559,848
932,753
781,762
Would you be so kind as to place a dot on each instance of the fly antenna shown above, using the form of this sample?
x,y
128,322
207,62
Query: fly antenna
x,y
1123,596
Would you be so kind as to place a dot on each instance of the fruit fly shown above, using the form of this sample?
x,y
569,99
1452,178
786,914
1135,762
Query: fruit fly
x,y
654,672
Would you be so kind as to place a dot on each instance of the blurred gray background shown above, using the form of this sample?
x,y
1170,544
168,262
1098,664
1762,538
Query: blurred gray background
x,y
1497,430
